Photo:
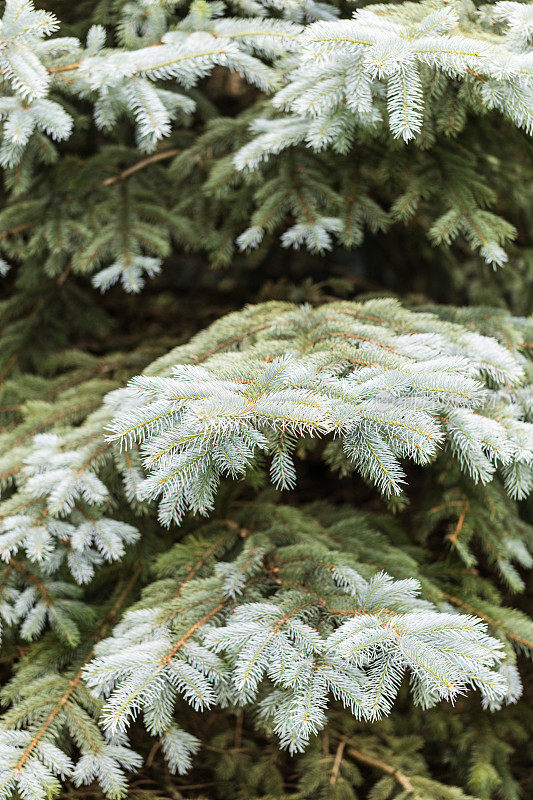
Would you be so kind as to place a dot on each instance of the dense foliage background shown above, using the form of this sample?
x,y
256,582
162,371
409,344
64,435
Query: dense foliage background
x,y
414,221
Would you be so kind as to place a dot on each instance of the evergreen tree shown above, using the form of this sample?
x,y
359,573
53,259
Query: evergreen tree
x,y
288,558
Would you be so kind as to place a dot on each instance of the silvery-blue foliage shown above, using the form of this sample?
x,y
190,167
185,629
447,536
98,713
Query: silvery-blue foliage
x,y
407,396
328,77
292,656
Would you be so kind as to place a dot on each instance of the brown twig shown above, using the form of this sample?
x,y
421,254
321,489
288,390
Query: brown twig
x,y
398,776
18,229
65,68
151,754
453,536
140,165
337,763
476,75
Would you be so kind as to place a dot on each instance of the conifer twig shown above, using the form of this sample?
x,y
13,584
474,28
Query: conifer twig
x,y
337,763
398,776
162,155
